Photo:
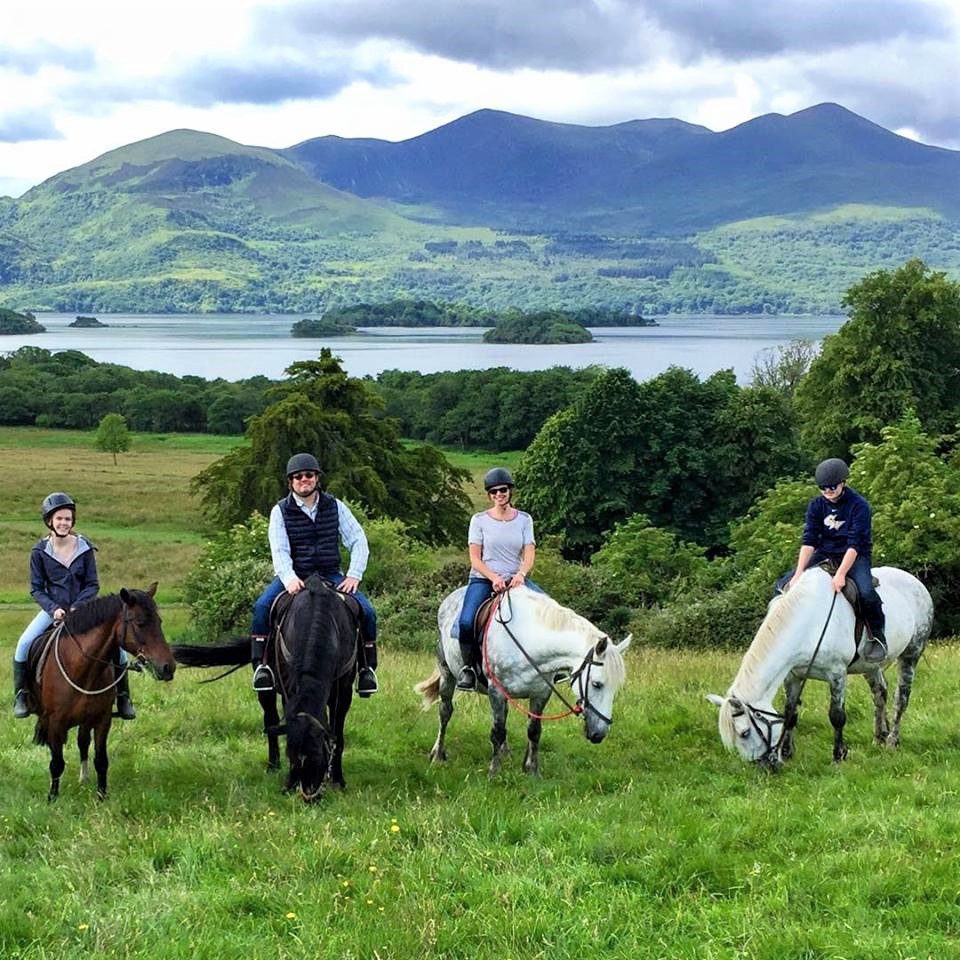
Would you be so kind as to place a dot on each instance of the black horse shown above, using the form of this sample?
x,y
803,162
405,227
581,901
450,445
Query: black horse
x,y
314,659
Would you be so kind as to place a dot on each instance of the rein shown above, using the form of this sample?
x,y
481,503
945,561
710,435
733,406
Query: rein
x,y
762,721
587,664
127,623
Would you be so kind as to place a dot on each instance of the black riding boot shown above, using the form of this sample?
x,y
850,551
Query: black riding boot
x,y
125,709
471,675
873,649
263,679
21,708
367,684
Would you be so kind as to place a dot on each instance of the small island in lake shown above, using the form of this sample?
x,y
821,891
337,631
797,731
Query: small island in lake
x,y
87,323
545,326
321,327
13,322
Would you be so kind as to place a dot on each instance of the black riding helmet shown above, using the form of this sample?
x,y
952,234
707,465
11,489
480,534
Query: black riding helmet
x,y
831,472
497,477
54,502
303,461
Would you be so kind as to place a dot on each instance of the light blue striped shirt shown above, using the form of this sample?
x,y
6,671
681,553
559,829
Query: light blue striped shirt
x,y
351,536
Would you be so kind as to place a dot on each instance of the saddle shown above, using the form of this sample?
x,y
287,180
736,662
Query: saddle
x,y
852,594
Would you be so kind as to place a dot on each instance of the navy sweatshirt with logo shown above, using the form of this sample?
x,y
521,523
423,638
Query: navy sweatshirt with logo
x,y
834,527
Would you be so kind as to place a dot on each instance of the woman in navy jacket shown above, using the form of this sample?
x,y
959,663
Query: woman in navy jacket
x,y
63,574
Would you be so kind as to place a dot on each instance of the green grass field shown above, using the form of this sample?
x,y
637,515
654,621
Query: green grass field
x,y
655,843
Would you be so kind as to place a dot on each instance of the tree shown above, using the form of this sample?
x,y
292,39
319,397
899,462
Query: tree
x,y
900,349
782,368
112,435
339,419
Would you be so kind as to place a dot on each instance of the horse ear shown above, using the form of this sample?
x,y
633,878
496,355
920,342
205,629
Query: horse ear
x,y
125,596
623,644
716,700
601,648
736,705
152,589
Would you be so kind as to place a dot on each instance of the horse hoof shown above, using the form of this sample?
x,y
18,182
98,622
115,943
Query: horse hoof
x,y
840,756
438,756
893,741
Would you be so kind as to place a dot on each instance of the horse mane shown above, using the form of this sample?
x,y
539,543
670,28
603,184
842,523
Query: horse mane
x,y
615,666
555,616
93,613
780,611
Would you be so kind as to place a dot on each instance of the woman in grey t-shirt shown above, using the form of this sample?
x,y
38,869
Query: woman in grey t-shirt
x,y
502,552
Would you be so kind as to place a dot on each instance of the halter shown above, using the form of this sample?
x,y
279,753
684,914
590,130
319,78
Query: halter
x,y
762,720
119,635
589,661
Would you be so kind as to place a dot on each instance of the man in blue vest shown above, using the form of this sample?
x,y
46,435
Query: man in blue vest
x,y
838,527
306,530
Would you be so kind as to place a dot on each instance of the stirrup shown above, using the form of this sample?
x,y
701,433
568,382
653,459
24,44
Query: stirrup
x,y
873,646
263,679
467,679
367,684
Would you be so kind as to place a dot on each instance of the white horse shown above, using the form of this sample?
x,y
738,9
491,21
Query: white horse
x,y
782,651
559,642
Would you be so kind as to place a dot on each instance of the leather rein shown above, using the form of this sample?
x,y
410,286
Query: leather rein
x,y
587,664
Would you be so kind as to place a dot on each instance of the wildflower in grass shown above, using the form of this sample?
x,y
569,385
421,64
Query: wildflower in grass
x,y
370,902
291,916
372,868
83,926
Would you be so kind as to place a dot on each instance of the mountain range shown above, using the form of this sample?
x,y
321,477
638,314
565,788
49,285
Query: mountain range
x,y
494,209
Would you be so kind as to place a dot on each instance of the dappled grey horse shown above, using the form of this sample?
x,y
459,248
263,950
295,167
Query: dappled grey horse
x,y
531,641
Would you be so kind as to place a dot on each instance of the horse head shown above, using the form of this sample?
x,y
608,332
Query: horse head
x,y
141,633
756,733
309,750
596,683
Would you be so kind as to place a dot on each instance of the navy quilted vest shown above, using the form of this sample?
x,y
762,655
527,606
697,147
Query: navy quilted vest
x,y
314,544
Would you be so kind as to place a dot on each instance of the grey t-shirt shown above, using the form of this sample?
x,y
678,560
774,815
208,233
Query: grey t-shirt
x,y
501,541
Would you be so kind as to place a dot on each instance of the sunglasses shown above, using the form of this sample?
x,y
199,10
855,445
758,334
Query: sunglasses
x,y
304,475
829,487
499,490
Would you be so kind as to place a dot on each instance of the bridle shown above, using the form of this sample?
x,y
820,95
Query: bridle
x,y
762,721
589,661
119,634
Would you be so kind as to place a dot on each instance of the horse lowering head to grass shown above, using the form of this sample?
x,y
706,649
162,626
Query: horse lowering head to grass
x,y
314,659
785,651
530,643
77,677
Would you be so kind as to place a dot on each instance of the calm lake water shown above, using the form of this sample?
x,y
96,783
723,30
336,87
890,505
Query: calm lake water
x,y
236,346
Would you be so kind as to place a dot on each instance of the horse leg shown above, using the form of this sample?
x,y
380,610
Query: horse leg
x,y
838,716
344,699
55,740
791,713
908,667
83,743
498,733
448,683
100,759
271,720
531,762
878,687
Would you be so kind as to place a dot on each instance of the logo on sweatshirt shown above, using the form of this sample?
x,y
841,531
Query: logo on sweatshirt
x,y
832,522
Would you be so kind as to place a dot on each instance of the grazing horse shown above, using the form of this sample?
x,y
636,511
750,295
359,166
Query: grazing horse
x,y
78,679
315,662
531,641
784,651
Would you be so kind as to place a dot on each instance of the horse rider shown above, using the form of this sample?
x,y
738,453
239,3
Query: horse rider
x,y
306,530
502,553
63,574
838,528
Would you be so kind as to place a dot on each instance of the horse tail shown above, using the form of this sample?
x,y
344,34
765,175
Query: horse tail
x,y
230,654
429,689
40,733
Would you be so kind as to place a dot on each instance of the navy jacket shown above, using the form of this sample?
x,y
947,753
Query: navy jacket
x,y
834,527
314,544
52,584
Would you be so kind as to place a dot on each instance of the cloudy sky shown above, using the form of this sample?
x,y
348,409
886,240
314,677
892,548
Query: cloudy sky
x,y
77,79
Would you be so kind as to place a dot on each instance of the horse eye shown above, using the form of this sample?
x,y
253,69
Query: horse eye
x,y
745,733
597,684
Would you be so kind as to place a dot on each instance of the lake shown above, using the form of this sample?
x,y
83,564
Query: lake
x,y
235,346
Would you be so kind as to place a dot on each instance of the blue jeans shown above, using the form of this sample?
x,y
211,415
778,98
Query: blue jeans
x,y
260,627
861,574
42,621
479,589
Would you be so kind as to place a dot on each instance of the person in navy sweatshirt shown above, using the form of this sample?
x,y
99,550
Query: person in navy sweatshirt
x,y
838,528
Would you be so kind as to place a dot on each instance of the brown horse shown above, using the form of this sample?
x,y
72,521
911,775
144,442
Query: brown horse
x,y
78,679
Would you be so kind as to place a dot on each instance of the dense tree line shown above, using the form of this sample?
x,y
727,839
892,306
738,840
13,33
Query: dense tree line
x,y
69,389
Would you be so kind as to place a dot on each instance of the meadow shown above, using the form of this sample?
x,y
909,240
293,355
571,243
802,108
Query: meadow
x,y
655,843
